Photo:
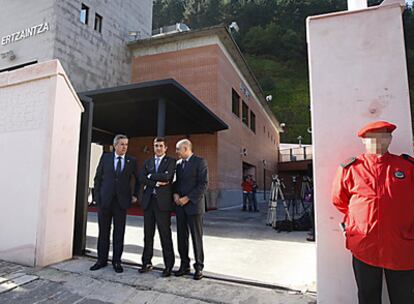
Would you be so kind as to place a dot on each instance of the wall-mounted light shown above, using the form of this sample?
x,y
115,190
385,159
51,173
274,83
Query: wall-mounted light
x,y
234,26
134,35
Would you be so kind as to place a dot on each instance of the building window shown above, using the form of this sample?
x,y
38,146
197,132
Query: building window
x,y
252,122
84,14
98,23
245,114
235,103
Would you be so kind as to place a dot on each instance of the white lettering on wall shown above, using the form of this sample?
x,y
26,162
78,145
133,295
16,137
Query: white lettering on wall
x,y
26,33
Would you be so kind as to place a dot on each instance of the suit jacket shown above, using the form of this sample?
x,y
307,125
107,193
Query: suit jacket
x,y
166,171
193,183
107,185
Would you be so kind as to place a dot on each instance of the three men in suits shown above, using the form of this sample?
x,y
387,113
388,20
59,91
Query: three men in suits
x,y
157,176
113,195
189,190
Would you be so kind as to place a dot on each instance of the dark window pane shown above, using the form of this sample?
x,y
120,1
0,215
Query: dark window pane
x,y
252,122
98,23
235,105
245,114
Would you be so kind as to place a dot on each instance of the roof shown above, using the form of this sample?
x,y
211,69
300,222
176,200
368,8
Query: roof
x,y
231,46
133,110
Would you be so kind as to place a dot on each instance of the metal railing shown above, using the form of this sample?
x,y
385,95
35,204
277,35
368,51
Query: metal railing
x,y
295,154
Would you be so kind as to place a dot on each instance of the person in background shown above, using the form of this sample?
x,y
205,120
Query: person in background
x,y
247,187
254,191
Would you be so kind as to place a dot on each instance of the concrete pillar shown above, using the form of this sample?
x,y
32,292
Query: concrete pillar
x,y
40,117
162,112
358,74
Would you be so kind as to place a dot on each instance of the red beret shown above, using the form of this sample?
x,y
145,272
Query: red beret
x,y
375,126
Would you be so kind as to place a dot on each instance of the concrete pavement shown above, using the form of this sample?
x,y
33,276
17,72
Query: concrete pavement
x,y
72,282
238,246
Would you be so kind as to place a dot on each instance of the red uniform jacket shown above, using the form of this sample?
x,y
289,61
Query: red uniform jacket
x,y
247,186
376,194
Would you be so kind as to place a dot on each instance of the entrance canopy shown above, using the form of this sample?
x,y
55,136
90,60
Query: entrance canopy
x,y
155,108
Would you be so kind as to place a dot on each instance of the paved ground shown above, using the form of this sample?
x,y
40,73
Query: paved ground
x,y
72,282
238,245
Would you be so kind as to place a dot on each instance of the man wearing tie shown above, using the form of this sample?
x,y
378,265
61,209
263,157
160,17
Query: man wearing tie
x,y
157,202
189,190
113,195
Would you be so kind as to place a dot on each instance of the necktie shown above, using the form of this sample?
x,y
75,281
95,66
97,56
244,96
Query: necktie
x,y
184,164
119,166
157,163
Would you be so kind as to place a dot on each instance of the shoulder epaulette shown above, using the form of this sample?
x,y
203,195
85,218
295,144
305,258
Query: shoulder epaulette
x,y
348,162
408,158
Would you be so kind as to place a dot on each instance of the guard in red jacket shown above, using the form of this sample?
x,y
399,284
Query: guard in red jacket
x,y
375,192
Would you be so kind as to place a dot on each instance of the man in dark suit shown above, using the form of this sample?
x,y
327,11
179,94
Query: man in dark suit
x,y
189,190
157,201
113,195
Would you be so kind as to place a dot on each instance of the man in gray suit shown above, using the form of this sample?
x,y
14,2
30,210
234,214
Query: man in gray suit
x,y
189,190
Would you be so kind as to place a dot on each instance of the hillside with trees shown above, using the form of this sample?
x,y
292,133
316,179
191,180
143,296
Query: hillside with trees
x,y
272,37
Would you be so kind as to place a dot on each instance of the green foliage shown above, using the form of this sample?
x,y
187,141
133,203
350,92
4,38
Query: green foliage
x,y
273,38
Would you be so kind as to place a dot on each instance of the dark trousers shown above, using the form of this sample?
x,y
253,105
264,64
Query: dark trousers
x,y
105,217
254,199
154,216
400,284
248,196
194,224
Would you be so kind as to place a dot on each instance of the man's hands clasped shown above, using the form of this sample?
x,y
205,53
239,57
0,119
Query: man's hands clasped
x,y
181,201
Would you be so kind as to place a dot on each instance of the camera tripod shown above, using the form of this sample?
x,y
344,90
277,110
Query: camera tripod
x,y
276,194
306,186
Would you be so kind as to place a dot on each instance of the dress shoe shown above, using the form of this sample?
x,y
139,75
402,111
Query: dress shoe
x,y
97,265
118,268
145,268
182,271
166,272
198,275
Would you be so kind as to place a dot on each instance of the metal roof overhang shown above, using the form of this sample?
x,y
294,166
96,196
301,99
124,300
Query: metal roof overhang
x,y
134,110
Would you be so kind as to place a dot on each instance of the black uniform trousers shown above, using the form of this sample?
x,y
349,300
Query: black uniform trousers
x,y
193,224
400,284
105,217
154,216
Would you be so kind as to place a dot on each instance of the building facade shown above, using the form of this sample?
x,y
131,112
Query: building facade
x,y
209,64
105,44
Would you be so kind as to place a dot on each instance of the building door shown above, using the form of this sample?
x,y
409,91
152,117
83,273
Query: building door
x,y
249,169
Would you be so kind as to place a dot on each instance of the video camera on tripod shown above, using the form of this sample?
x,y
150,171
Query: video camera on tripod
x,y
296,215
276,194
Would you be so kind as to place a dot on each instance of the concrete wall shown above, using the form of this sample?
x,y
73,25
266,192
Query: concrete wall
x,y
91,59
96,60
358,74
19,15
39,141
